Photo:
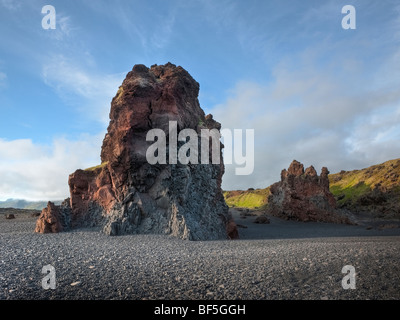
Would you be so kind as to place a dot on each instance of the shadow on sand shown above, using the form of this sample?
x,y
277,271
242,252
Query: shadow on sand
x,y
283,229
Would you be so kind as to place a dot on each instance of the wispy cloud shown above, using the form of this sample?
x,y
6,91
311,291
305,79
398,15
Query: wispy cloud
x,y
143,25
316,116
129,24
89,90
10,4
64,28
262,29
161,36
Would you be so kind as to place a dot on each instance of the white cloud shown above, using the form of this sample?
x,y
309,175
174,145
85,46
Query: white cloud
x,y
40,172
33,171
92,92
316,116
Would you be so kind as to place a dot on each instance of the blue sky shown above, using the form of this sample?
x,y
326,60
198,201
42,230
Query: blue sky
x,y
311,90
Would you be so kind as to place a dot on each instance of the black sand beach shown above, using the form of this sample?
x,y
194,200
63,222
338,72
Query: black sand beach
x,y
280,260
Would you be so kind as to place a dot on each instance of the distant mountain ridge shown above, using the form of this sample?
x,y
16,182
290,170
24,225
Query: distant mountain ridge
x,y
24,204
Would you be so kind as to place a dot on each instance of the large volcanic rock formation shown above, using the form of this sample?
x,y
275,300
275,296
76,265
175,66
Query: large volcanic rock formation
x,y
304,196
126,194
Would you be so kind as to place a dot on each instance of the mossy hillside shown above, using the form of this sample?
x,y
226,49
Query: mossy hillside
x,y
97,167
349,186
349,194
251,198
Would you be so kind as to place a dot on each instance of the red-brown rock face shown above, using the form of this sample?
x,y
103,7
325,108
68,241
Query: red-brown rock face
x,y
49,220
125,194
304,196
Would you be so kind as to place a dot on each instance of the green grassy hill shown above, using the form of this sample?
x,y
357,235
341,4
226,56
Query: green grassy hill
x,y
353,184
374,189
252,198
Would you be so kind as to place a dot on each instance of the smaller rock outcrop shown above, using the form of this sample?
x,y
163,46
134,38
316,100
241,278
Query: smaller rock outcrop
x,y
54,218
302,195
10,216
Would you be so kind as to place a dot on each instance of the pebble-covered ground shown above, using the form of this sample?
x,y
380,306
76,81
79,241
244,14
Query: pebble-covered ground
x,y
282,260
